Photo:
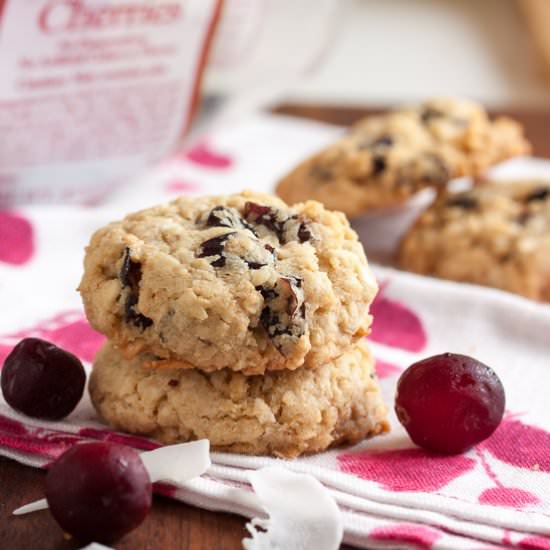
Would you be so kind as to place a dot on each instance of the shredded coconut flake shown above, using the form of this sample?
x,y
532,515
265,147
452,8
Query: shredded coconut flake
x,y
302,513
35,506
178,463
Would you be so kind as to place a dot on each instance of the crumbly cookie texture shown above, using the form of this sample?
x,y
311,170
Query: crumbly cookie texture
x,y
284,413
385,159
240,281
497,234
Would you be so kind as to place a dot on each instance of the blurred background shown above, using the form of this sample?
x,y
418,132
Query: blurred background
x,y
69,70
379,52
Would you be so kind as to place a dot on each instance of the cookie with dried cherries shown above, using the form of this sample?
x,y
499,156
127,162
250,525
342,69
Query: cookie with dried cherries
x,y
387,158
240,281
497,234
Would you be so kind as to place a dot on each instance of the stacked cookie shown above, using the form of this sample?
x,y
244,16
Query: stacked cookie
x,y
236,319
387,158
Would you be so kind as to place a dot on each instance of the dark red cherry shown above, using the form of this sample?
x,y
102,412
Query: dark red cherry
x,y
98,491
449,402
41,380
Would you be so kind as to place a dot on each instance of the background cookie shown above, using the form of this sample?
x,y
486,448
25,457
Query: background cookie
x,y
283,413
240,281
497,234
385,159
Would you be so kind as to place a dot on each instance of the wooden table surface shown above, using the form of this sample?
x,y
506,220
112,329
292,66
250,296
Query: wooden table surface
x,y
173,525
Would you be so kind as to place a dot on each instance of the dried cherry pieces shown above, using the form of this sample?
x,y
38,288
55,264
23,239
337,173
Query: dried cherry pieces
x,y
133,316
304,233
221,216
130,272
253,265
215,247
449,402
254,211
283,314
463,201
524,217
41,380
130,277
539,194
429,113
437,170
98,491
286,228
267,293
264,215
383,141
378,164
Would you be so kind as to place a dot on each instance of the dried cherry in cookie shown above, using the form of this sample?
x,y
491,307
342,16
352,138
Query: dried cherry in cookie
x,y
539,194
378,164
384,141
298,229
249,250
267,293
436,171
429,113
290,286
463,201
129,272
269,259
286,228
263,215
304,233
215,247
284,316
221,216
130,277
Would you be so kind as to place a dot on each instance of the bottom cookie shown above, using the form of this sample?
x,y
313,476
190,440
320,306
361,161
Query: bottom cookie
x,y
284,413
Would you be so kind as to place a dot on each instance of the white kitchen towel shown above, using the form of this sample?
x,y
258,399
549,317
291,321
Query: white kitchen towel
x,y
391,493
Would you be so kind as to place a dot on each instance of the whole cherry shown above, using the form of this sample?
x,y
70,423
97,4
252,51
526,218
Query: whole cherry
x,y
98,491
449,402
41,380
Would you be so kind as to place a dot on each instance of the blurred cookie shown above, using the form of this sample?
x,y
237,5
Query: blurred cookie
x,y
284,413
497,234
240,281
385,159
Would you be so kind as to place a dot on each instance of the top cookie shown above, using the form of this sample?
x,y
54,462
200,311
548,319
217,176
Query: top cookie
x,y
497,234
239,281
385,159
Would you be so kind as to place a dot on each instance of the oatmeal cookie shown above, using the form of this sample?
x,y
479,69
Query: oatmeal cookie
x,y
385,159
284,413
497,234
240,281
